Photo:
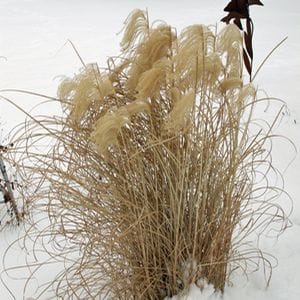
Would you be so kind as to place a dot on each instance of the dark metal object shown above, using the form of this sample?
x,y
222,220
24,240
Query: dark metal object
x,y
237,10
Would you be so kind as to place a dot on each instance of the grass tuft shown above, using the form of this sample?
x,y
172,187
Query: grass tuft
x,y
151,177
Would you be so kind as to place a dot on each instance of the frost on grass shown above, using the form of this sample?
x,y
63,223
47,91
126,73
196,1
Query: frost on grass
x,y
153,164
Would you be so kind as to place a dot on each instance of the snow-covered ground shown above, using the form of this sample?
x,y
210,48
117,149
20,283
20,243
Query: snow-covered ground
x,y
34,52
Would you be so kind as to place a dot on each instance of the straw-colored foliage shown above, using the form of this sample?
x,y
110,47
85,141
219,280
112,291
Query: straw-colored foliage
x,y
151,178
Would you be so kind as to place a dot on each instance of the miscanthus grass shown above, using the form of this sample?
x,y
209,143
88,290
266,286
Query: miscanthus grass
x,y
156,171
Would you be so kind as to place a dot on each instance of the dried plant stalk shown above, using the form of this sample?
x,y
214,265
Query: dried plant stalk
x,y
151,176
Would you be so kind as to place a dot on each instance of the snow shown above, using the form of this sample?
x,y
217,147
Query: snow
x,y
34,41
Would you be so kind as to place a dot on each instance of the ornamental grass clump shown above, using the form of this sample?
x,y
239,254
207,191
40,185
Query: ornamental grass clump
x,y
151,178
